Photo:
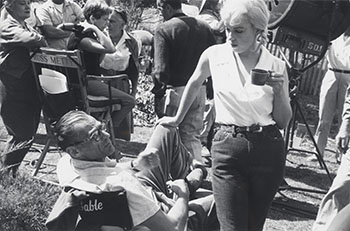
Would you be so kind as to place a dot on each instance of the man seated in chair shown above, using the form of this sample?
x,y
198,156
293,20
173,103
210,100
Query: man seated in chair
x,y
88,169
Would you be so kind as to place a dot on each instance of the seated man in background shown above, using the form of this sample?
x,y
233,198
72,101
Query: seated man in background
x,y
87,168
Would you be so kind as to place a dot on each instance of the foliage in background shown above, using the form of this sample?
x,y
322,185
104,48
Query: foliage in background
x,y
25,202
143,113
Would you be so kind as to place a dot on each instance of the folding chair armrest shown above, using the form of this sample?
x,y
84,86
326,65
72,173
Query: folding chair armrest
x,y
110,77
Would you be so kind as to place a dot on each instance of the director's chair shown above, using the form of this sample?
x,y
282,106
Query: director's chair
x,y
90,211
62,82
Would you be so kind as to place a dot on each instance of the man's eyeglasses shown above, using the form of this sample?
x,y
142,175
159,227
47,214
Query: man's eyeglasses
x,y
95,134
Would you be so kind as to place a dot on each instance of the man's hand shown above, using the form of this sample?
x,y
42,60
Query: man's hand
x,y
168,121
147,159
180,188
342,140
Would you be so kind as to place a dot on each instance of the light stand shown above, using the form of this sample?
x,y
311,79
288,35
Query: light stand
x,y
294,85
295,76
307,27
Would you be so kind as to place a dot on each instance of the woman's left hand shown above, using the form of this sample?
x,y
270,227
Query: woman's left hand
x,y
276,81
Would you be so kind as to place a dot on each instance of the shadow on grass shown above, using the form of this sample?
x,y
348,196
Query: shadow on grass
x,y
309,177
292,210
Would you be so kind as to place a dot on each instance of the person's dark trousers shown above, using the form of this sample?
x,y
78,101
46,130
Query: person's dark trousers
x,y
175,163
247,171
20,111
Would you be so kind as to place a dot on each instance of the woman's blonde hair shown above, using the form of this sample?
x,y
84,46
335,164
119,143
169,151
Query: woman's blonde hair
x,y
256,11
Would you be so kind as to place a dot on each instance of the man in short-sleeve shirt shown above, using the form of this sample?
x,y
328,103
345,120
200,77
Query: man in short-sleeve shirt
x,y
88,168
52,14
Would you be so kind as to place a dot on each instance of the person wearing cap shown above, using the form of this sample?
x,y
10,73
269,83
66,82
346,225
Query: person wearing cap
x,y
178,44
21,105
145,178
333,89
248,149
51,16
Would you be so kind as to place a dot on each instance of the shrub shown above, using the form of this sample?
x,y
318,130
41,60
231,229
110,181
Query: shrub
x,y
144,114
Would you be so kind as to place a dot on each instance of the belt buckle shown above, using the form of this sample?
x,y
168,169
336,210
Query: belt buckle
x,y
260,129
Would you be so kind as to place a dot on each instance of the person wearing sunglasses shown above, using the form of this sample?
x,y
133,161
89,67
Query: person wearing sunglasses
x,y
88,168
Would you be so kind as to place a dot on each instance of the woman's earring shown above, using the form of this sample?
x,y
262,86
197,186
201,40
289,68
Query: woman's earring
x,y
259,38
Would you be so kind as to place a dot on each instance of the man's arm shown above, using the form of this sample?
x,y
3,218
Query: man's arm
x,y
53,32
102,45
343,136
161,58
13,35
46,25
176,218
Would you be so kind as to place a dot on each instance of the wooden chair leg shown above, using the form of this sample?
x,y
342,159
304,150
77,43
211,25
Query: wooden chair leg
x,y
42,157
111,128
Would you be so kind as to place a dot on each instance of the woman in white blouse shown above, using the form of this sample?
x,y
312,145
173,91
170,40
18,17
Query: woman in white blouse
x,y
248,148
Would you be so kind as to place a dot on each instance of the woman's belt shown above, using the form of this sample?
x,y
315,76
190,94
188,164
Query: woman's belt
x,y
255,128
339,71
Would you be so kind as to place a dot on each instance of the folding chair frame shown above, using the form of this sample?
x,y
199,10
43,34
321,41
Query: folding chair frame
x,y
71,64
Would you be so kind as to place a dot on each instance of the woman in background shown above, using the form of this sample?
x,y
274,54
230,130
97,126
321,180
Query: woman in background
x,y
21,105
95,44
248,148
125,60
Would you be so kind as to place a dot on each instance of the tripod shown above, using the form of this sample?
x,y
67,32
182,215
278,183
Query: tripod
x,y
294,85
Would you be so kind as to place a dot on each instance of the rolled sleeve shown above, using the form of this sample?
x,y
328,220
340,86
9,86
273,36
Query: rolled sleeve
x,y
13,34
43,16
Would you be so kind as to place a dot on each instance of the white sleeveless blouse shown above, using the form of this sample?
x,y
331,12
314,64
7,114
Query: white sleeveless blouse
x,y
235,103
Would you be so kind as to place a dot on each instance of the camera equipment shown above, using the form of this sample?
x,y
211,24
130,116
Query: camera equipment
x,y
303,30
72,27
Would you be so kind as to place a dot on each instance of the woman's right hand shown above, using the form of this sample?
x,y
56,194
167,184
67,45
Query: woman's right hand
x,y
168,121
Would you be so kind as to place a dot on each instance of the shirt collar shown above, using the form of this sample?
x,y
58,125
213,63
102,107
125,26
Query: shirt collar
x,y
124,37
65,3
